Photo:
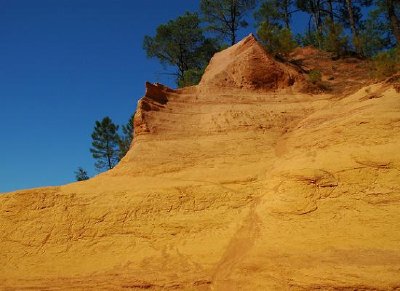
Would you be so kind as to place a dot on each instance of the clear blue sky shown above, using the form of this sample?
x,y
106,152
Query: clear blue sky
x,y
63,65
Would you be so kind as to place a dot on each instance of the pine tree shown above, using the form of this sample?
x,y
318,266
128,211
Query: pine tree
x,y
316,10
275,12
273,21
81,174
181,43
105,144
225,17
126,138
277,40
352,21
334,39
376,34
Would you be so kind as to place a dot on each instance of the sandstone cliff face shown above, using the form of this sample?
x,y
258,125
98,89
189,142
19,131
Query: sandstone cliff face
x,y
229,189
246,65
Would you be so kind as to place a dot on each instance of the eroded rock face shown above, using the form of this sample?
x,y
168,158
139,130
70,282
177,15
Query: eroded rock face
x,y
247,65
154,99
225,190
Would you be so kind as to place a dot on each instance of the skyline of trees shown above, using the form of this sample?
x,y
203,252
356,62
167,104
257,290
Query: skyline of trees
x,y
344,27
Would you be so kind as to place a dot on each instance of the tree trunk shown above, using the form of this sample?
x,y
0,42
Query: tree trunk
x,y
287,17
331,15
316,12
356,42
394,20
109,156
233,22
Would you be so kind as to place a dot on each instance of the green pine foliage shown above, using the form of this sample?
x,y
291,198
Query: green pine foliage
x,y
81,174
273,21
191,77
225,17
105,144
181,43
387,63
275,12
341,27
277,40
333,38
375,35
125,139
310,38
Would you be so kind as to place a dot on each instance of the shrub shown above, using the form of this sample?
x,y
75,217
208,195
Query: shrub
x,y
315,76
387,63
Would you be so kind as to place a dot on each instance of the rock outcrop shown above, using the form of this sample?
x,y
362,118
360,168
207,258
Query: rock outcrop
x,y
247,65
154,99
239,183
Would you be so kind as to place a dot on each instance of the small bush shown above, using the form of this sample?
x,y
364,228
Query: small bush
x,y
315,76
387,63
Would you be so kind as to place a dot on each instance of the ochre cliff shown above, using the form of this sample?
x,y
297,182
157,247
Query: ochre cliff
x,y
240,183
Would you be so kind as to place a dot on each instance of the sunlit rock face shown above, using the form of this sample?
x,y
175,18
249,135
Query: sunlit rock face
x,y
239,183
246,65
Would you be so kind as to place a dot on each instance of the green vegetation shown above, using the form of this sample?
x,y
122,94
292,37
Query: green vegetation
x,y
334,26
125,139
275,13
81,174
376,35
225,17
386,63
181,43
105,144
191,77
108,145
277,40
315,76
333,39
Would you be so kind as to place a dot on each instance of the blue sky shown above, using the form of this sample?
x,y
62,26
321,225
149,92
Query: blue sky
x,y
63,65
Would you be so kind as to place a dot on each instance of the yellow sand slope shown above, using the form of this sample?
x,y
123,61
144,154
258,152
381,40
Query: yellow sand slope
x,y
225,188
